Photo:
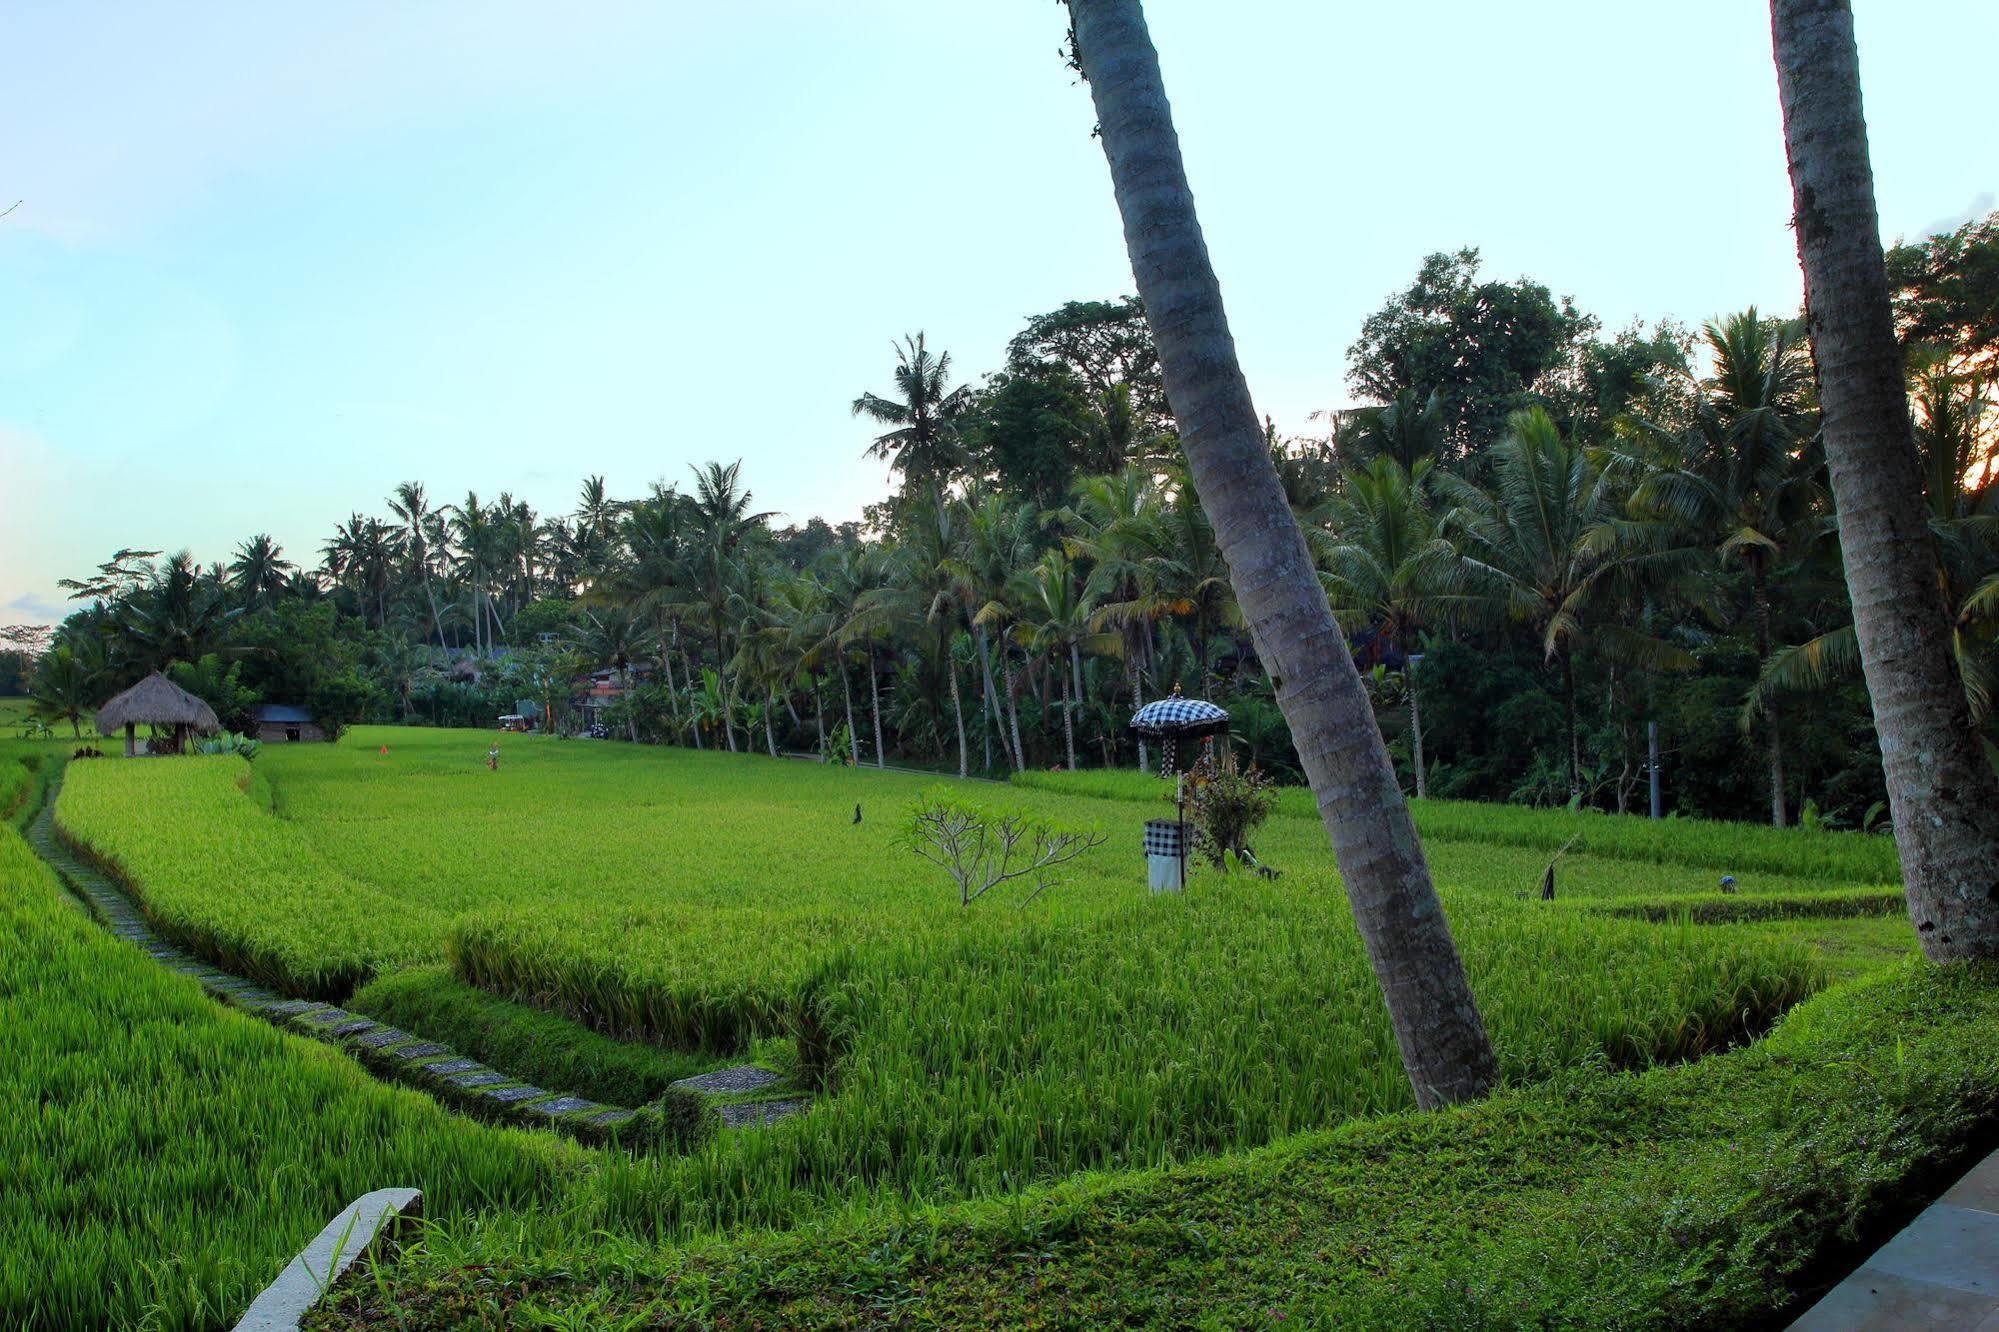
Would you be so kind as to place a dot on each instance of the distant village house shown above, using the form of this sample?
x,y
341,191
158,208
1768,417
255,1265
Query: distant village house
x,y
277,723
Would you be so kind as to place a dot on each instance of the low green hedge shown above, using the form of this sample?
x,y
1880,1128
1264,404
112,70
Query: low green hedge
x,y
525,1042
1710,1194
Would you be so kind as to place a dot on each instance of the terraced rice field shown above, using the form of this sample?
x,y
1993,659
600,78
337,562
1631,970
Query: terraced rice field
x,y
720,906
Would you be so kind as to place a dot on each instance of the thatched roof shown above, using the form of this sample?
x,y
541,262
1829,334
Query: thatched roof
x,y
156,701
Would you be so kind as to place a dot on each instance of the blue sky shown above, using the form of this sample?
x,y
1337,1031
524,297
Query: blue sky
x,y
269,260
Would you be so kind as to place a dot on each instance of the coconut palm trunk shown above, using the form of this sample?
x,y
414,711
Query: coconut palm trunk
x,y
1415,732
1942,794
995,714
1137,702
957,712
1437,1026
1013,711
1759,578
853,736
875,705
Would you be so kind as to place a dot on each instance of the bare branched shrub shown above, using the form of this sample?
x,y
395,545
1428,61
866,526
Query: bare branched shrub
x,y
982,849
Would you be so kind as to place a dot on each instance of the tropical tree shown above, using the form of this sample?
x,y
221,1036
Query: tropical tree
x,y
423,541
1387,570
1739,478
259,570
1942,794
1437,1026
1541,544
1056,615
923,413
66,687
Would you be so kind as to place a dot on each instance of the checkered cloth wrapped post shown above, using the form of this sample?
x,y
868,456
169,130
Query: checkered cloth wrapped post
x,y
1164,837
1179,716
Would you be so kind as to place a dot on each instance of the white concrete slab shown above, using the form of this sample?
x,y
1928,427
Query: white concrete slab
x,y
346,1237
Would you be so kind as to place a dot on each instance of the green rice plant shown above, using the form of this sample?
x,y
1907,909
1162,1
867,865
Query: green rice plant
x,y
1850,857
165,1156
223,878
704,902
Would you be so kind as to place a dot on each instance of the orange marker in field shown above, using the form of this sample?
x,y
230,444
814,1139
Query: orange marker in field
x,y
385,751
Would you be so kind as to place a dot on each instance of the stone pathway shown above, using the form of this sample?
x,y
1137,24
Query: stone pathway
x,y
1940,1272
406,1057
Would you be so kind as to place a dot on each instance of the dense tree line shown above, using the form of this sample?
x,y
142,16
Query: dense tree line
x,y
1559,557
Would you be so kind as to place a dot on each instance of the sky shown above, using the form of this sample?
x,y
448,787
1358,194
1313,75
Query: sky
x,y
270,260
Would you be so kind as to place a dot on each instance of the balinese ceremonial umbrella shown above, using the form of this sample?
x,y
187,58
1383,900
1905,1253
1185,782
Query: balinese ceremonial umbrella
x,y
1170,720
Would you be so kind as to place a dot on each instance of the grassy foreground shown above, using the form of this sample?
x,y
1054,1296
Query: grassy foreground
x,y
1689,1196
163,1156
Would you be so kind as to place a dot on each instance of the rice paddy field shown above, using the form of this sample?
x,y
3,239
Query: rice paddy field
x,y
646,912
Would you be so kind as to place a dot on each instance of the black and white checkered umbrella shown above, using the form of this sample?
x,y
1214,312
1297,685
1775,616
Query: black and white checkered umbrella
x,y
1178,718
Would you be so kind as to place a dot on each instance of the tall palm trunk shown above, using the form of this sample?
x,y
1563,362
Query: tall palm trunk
x,y
995,715
770,736
1068,721
957,711
875,705
1759,580
1075,697
1137,702
1430,1006
1569,716
1013,710
1416,732
853,736
1943,795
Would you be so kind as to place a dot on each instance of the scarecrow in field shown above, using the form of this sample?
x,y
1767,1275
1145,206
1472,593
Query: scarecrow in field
x,y
493,757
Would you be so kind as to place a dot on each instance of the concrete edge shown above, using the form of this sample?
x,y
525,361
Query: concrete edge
x,y
365,1226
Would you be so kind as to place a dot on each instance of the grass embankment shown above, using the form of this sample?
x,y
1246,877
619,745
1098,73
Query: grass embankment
x,y
1697,1195
164,1156
530,1044
1737,848
707,901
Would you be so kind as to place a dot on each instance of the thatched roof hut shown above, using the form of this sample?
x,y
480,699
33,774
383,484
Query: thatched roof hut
x,y
156,701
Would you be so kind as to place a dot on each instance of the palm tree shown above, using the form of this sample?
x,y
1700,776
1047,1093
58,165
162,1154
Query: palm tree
x,y
1116,522
1740,479
1056,618
1001,541
1540,546
853,578
1386,568
654,532
723,521
924,412
65,686
1187,575
420,524
1430,1005
613,637
473,528
1410,429
931,582
259,570
1942,793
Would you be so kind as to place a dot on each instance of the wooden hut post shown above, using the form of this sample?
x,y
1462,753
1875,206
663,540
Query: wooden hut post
x,y
131,740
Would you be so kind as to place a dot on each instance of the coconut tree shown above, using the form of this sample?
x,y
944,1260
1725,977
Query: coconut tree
x,y
1430,1005
1942,794
932,584
421,528
1386,568
1539,547
923,413
1738,477
66,686
1056,615
1115,522
851,577
723,522
259,570
1002,538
